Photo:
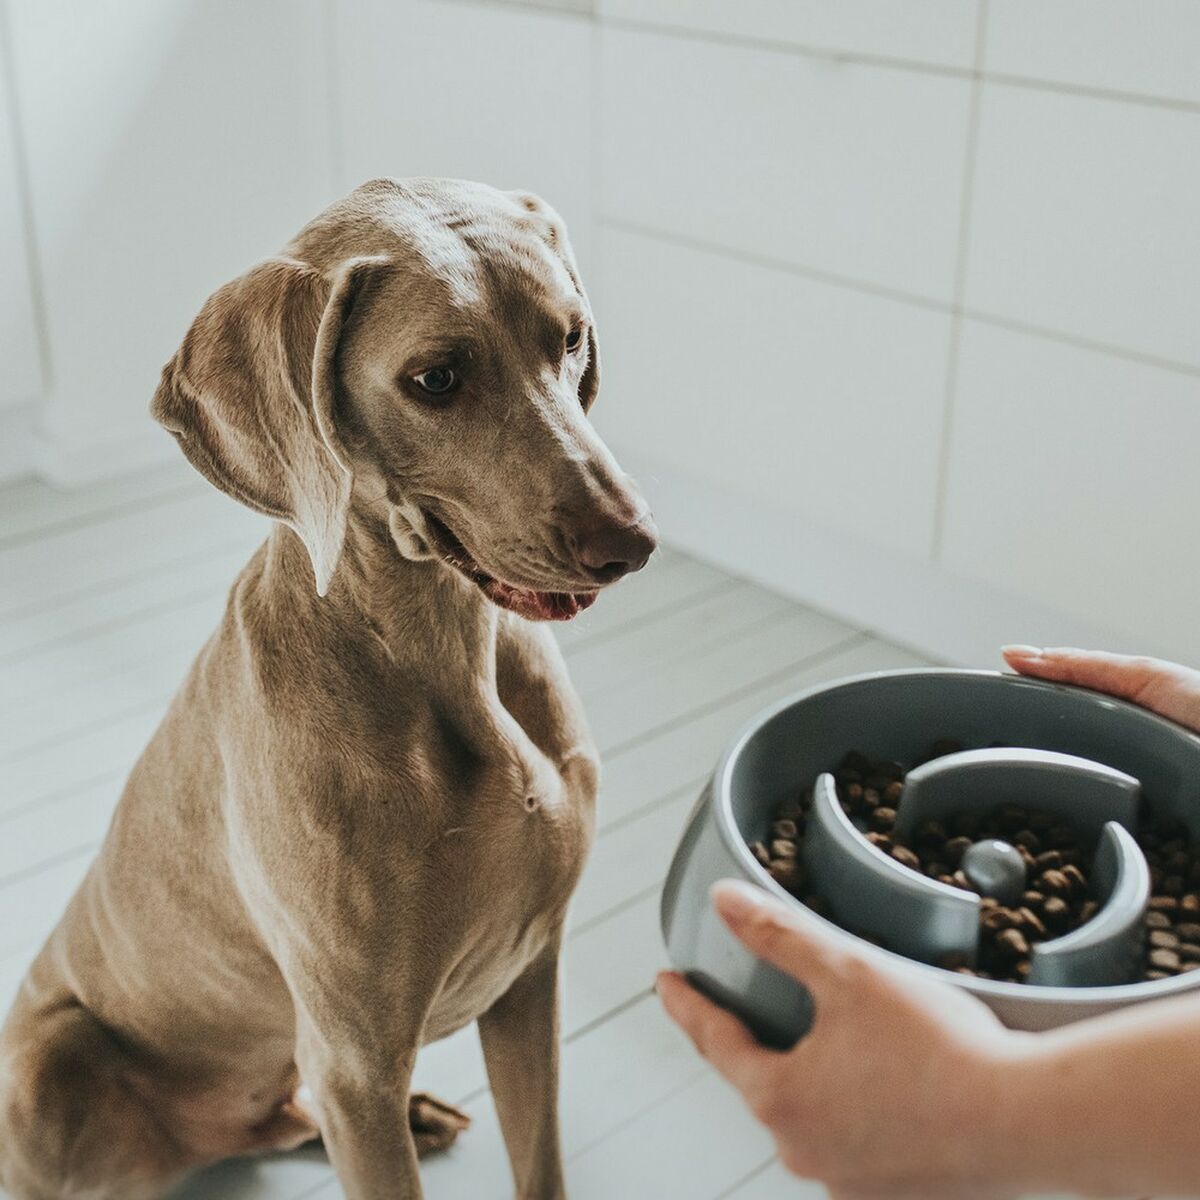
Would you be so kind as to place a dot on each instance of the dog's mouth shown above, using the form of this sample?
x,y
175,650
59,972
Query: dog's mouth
x,y
525,602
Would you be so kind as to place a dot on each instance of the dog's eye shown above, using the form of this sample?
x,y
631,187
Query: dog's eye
x,y
574,339
437,381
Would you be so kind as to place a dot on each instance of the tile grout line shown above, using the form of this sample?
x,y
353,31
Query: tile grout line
x,y
1080,342
832,54
750,258
545,8
962,250
882,291
863,58
24,189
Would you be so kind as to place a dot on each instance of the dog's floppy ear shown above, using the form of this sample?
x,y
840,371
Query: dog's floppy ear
x,y
589,384
251,393
556,238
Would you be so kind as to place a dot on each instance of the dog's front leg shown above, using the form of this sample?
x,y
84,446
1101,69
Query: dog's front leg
x,y
519,1034
361,1100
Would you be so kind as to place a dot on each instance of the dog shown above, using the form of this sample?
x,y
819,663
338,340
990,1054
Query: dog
x,y
360,822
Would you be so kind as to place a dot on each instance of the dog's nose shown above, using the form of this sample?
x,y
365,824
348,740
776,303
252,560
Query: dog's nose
x,y
610,551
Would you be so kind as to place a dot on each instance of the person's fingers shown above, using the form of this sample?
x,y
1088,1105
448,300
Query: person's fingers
x,y
717,1034
1117,674
772,932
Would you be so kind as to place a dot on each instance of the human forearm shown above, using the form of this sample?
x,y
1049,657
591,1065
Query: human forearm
x,y
1107,1107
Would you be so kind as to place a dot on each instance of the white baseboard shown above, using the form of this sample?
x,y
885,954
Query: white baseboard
x,y
17,445
917,604
69,462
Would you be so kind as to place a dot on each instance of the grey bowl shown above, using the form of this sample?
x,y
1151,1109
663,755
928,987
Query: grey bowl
x,y
897,714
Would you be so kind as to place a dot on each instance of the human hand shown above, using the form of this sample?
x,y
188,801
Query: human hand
x,y
1163,687
899,1089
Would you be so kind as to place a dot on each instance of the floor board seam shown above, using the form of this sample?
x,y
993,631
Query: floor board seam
x,y
745,1179
615,910
708,592
759,684
86,519
87,633
32,870
44,604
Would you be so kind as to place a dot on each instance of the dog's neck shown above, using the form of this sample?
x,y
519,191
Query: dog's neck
x,y
427,620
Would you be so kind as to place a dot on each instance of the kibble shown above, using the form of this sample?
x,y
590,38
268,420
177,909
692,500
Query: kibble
x,y
1012,942
883,818
1055,882
906,857
1164,960
1056,898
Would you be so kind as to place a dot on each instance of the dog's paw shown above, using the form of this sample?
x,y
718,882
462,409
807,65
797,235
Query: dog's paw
x,y
435,1124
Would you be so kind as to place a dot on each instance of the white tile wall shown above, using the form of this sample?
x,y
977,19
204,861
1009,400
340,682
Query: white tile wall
x,y
927,31
21,377
845,168
1152,48
744,159
812,398
471,91
170,145
582,7
1073,480
1085,219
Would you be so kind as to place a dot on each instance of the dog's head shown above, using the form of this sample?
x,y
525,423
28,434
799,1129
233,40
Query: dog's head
x,y
424,350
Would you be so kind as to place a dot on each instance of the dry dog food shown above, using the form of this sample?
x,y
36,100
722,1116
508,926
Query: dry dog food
x,y
1057,898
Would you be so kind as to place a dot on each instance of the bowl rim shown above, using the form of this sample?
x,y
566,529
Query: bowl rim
x,y
1106,996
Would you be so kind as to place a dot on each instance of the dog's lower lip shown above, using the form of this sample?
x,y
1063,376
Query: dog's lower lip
x,y
526,602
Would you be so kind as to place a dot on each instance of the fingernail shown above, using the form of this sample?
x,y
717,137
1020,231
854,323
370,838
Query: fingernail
x,y
736,899
1022,651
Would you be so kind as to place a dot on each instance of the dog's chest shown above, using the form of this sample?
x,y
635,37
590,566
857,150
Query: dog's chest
x,y
514,863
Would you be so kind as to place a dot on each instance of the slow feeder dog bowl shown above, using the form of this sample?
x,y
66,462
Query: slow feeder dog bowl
x,y
1088,758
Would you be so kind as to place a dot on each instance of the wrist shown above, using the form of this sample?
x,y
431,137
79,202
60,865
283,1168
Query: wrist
x,y
1018,1143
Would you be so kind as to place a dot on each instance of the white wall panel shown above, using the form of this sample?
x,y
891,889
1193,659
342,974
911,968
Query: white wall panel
x,y
806,397
171,144
849,169
1085,219
927,31
1073,482
475,91
21,377
1151,48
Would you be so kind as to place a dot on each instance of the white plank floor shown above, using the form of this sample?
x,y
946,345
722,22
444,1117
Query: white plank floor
x,y
105,595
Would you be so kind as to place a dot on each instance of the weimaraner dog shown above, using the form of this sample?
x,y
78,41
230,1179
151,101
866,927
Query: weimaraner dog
x,y
358,827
